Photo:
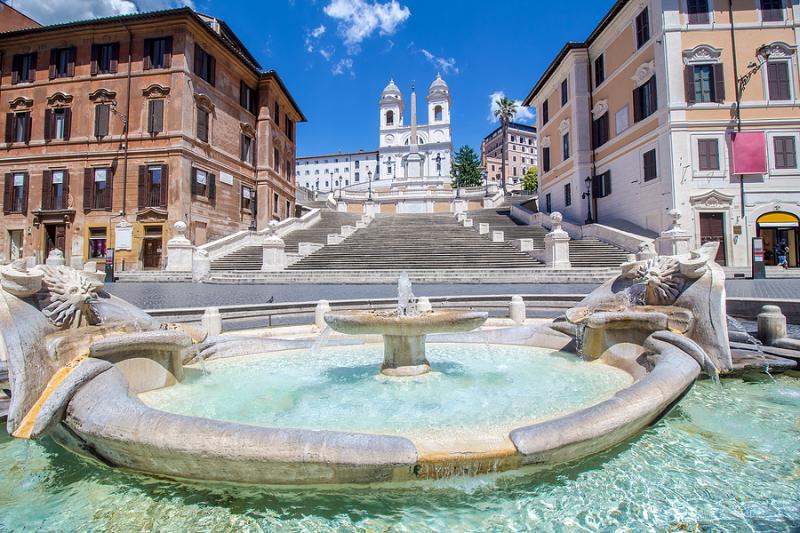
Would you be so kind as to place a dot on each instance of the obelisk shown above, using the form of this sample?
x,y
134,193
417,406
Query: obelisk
x,y
413,160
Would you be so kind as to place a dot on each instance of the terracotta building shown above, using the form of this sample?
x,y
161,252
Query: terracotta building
x,y
641,122
11,19
116,128
520,147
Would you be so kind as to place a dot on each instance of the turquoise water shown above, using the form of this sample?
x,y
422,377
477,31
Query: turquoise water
x,y
726,459
474,389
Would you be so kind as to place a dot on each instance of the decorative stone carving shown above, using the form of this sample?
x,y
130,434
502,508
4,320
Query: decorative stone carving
x,y
702,53
102,96
16,279
247,129
644,73
155,90
59,99
664,277
564,126
179,250
20,102
675,240
600,109
712,198
546,142
204,102
556,244
70,295
778,49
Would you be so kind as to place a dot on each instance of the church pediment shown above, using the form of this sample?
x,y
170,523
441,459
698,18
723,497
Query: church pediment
x,y
712,198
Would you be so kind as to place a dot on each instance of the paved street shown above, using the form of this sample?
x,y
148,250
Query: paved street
x,y
167,295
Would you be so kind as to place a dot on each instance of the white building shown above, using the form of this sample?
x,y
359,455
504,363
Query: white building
x,y
328,173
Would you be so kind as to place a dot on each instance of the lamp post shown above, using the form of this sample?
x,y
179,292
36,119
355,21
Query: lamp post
x,y
369,175
588,196
485,176
253,212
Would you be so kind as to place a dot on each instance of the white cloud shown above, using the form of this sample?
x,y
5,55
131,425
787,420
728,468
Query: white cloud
x,y
523,114
343,66
312,36
56,11
326,53
445,64
358,19
318,32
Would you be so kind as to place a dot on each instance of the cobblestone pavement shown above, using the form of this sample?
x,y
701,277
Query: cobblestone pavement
x,y
167,295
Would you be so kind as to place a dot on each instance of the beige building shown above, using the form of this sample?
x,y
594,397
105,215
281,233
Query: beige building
x,y
520,145
116,128
647,108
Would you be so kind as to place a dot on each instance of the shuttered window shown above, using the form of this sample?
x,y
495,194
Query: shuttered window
x,y
645,100
778,80
548,203
642,28
785,152
157,53
564,92
246,148
203,183
155,116
62,62
15,189
568,194
204,64
600,130
771,10
57,124
247,97
546,159
705,83
698,11
601,185
23,68
545,112
55,189
202,124
599,70
97,188
650,171
247,198
707,154
153,186
565,146
101,115
105,58
18,127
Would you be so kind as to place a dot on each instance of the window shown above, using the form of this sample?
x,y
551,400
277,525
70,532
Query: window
x,y
545,112
275,201
153,185
97,188
247,198
105,58
15,199
599,70
390,118
276,161
288,127
204,64
277,117
55,189
155,116
203,184
567,195
785,152
600,130
57,123
157,53
548,204
97,243
778,80
771,10
642,28
437,113
546,159
358,163
288,209
247,97
565,145
23,68
18,127
202,124
246,149
707,154
705,83
644,100
649,164
698,12
101,114
62,62
601,185
564,91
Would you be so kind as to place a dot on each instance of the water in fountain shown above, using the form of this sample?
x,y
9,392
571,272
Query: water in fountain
x,y
406,305
757,344
321,341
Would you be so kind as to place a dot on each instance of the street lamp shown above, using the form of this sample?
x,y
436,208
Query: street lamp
x,y
588,196
253,212
369,175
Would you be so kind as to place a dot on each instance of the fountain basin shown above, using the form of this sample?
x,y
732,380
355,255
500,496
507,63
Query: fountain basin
x,y
404,335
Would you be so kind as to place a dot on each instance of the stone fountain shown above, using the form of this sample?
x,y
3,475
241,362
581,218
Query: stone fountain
x,y
404,329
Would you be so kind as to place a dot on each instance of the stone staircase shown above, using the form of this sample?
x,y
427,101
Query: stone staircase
x,y
250,257
582,253
416,242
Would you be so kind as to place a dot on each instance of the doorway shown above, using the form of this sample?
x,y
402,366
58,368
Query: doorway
x,y
55,238
712,228
776,227
152,247
15,237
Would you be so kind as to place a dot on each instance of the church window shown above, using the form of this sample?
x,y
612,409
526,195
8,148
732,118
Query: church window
x,y
437,113
390,118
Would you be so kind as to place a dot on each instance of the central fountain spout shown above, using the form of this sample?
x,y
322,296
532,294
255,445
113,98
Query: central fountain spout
x,y
404,329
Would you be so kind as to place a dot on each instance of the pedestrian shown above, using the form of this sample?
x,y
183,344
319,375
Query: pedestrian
x,y
781,250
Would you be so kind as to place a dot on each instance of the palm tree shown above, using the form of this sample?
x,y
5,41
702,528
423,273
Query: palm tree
x,y
506,110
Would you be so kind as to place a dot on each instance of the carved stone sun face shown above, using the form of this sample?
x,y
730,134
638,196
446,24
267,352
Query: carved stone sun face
x,y
70,296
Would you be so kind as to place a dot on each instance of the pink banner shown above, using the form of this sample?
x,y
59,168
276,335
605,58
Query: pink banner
x,y
749,152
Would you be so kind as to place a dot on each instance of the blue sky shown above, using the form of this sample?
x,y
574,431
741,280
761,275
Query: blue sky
x,y
337,55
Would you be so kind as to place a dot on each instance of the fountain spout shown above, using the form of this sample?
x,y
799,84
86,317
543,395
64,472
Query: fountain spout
x,y
406,303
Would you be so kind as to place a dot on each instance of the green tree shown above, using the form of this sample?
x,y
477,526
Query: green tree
x,y
466,169
506,111
530,181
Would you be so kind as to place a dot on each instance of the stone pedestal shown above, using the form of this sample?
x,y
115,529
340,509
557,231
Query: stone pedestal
x,y
404,356
460,206
461,217
334,238
274,254
771,324
341,207
180,250
212,321
371,209
516,310
524,245
55,258
201,265
556,244
498,236
307,248
347,230
468,223
483,228
319,314
675,241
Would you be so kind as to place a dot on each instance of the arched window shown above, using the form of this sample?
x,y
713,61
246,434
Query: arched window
x,y
437,113
390,118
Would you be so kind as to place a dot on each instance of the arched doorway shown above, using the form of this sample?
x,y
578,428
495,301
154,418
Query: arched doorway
x,y
779,226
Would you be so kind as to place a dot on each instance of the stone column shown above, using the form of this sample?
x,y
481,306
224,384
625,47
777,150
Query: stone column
x,y
556,244
201,265
319,314
179,250
516,309
675,240
771,324
212,321
459,205
274,255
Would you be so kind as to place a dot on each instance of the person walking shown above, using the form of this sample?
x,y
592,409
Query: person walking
x,y
780,251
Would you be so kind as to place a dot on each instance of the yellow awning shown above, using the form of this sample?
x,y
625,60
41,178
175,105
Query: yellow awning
x,y
778,218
